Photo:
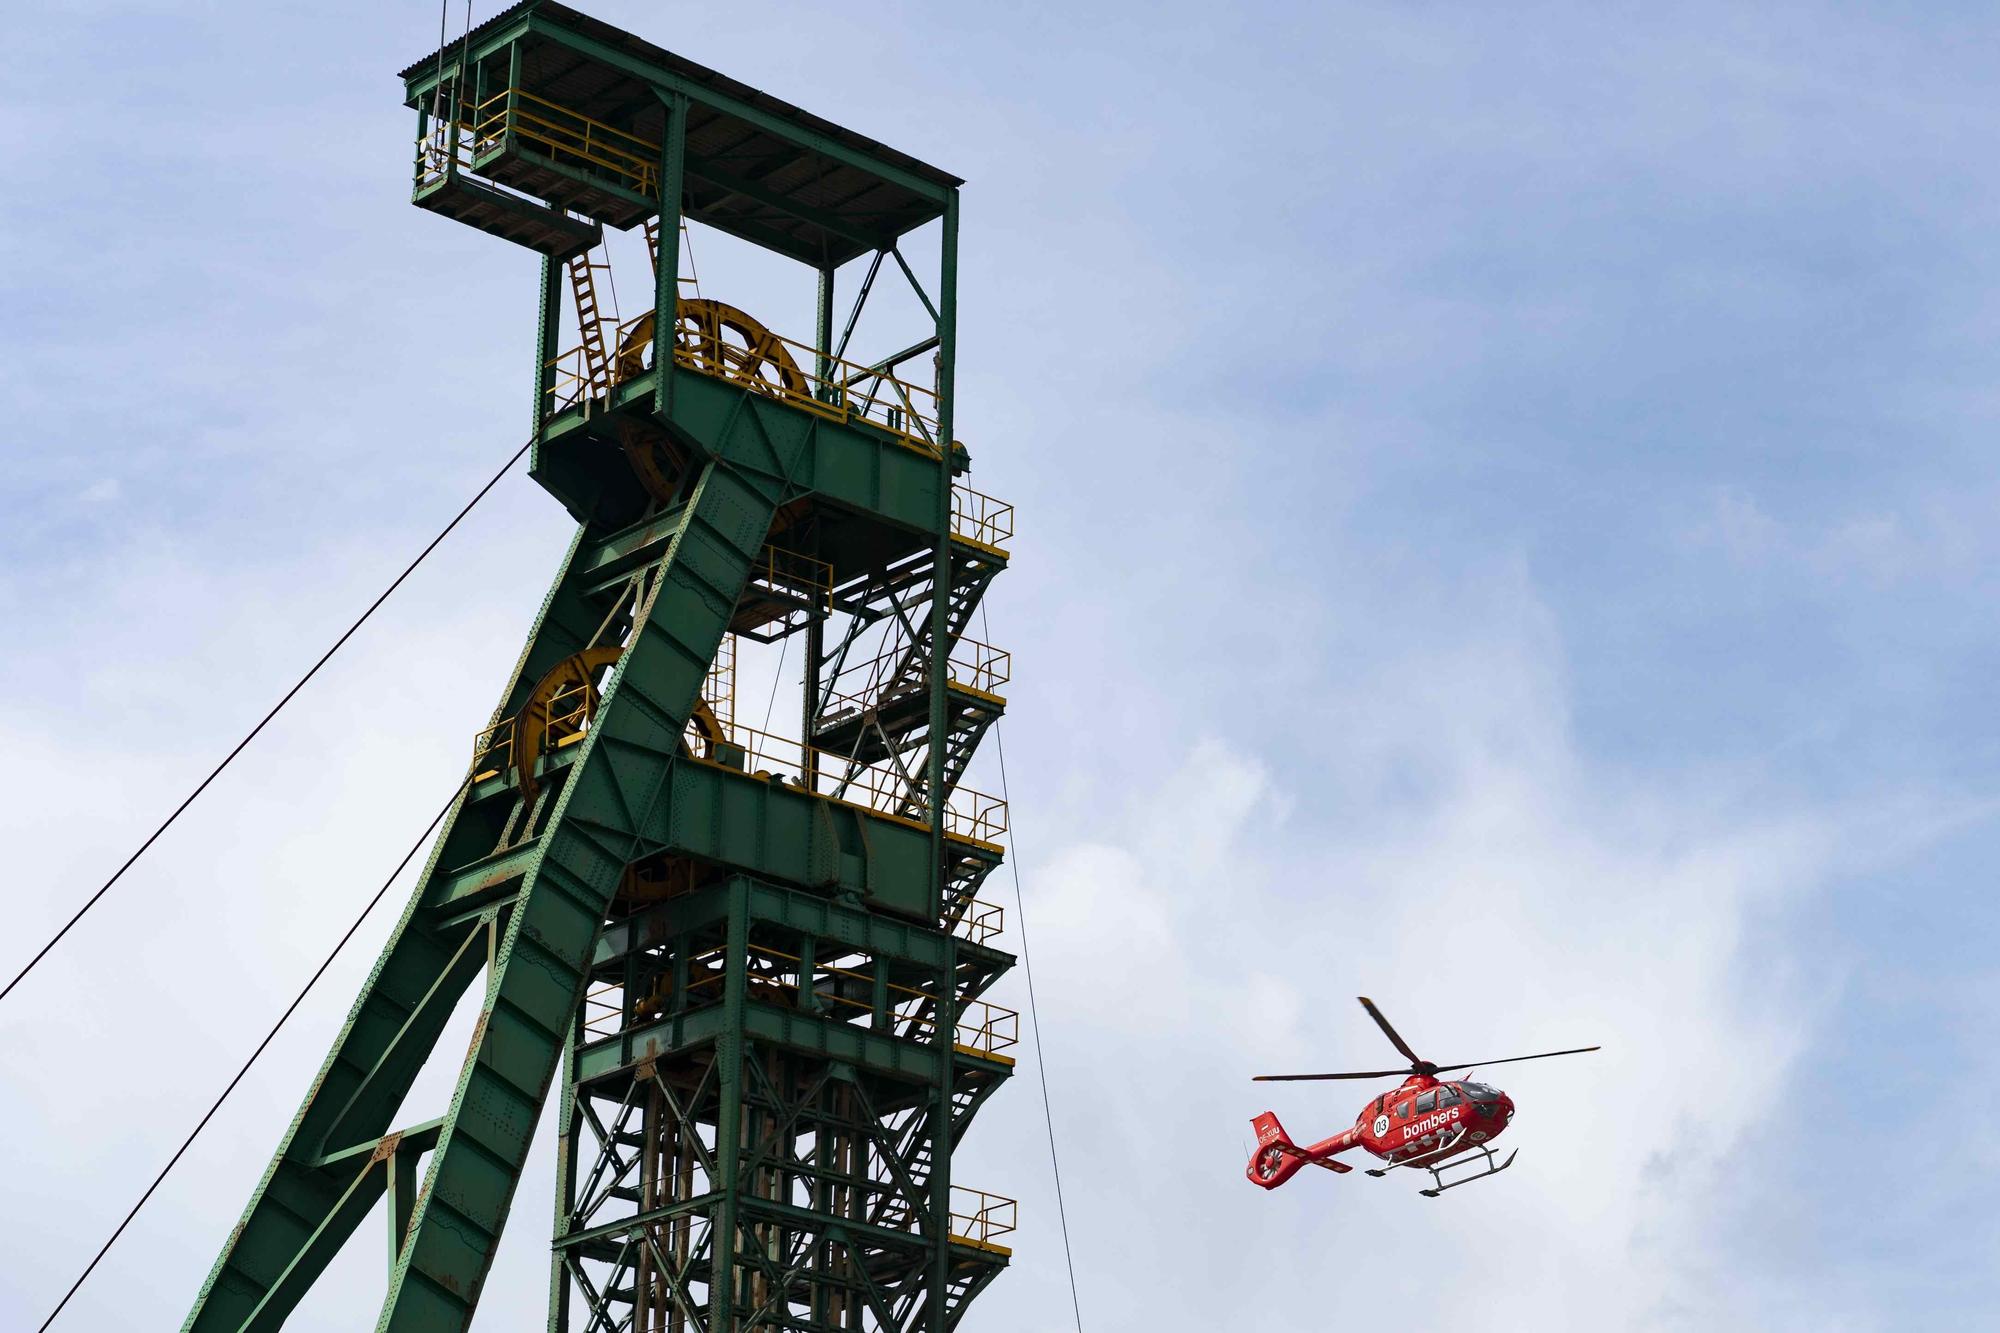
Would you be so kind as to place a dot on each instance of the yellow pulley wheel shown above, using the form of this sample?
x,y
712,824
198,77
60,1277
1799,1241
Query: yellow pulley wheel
x,y
559,707
721,341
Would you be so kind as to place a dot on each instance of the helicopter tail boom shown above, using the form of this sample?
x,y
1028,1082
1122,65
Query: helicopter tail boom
x,y
1277,1159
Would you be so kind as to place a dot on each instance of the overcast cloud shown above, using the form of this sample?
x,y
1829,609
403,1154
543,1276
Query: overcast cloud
x,y
1505,528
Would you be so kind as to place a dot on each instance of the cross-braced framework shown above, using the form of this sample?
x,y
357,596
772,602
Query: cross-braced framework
x,y
750,964
826,1217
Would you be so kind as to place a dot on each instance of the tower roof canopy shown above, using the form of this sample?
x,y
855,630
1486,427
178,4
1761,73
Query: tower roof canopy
x,y
756,167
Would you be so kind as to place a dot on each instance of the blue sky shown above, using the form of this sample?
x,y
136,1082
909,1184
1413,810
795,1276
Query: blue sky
x,y
1503,528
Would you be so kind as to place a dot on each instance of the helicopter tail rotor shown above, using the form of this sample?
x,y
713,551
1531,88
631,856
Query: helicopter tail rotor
x,y
1276,1159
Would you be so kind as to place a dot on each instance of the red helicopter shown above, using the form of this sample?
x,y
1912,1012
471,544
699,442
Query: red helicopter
x,y
1424,1123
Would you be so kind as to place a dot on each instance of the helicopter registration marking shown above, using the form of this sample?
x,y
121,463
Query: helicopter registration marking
x,y
1430,1124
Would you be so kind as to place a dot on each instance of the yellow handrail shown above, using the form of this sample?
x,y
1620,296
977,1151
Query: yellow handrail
x,y
577,135
796,573
879,787
978,920
980,518
972,665
981,1218
907,411
981,1027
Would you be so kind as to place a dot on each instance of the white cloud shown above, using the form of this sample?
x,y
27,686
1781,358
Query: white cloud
x,y
1931,536
1244,328
1520,898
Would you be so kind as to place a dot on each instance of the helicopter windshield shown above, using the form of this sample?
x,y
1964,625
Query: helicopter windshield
x,y
1479,1092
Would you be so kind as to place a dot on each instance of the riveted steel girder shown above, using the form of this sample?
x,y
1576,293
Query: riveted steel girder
x,y
536,957
754,983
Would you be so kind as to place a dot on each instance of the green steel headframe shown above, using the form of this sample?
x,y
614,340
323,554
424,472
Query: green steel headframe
x,y
753,967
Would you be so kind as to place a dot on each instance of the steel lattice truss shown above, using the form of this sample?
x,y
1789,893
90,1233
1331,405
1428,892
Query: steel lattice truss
x,y
834,1220
751,968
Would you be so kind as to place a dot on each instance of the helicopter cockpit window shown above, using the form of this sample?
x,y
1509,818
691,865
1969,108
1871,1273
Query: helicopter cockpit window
x,y
1479,1092
1448,1095
1426,1102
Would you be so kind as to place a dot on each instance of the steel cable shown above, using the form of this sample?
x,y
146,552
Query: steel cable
x,y
300,684
269,1037
1034,1013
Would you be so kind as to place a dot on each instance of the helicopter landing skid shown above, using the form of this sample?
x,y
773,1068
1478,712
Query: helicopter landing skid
x,y
1480,1157
1435,1163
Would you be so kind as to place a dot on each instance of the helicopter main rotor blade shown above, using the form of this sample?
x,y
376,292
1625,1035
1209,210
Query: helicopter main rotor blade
x,y
1308,1078
1515,1059
1394,1037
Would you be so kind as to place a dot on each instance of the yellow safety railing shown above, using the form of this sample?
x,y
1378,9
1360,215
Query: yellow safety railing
x,y
635,162
570,711
604,1010
569,380
879,787
980,1219
453,143
442,143
977,920
975,815
984,1028
493,750
972,665
980,518
779,570
718,688
435,154
844,391
980,1028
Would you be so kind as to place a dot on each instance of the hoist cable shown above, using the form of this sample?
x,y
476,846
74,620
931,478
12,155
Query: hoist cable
x,y
1034,1013
771,703
251,735
269,1037
694,274
437,81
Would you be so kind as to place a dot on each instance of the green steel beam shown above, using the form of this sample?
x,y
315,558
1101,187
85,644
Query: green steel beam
x,y
850,925
916,286
702,169
491,43
547,333
566,1129
298,1218
889,1056
775,125
416,89
940,680
667,268
280,1221
758,1088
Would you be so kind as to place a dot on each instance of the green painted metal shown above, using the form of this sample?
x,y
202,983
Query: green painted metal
x,y
667,269
749,988
564,864
903,192
773,120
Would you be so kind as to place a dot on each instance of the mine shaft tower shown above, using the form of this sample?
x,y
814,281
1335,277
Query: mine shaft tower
x,y
751,965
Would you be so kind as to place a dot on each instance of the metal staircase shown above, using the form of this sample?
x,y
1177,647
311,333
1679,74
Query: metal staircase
x,y
751,985
875,709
